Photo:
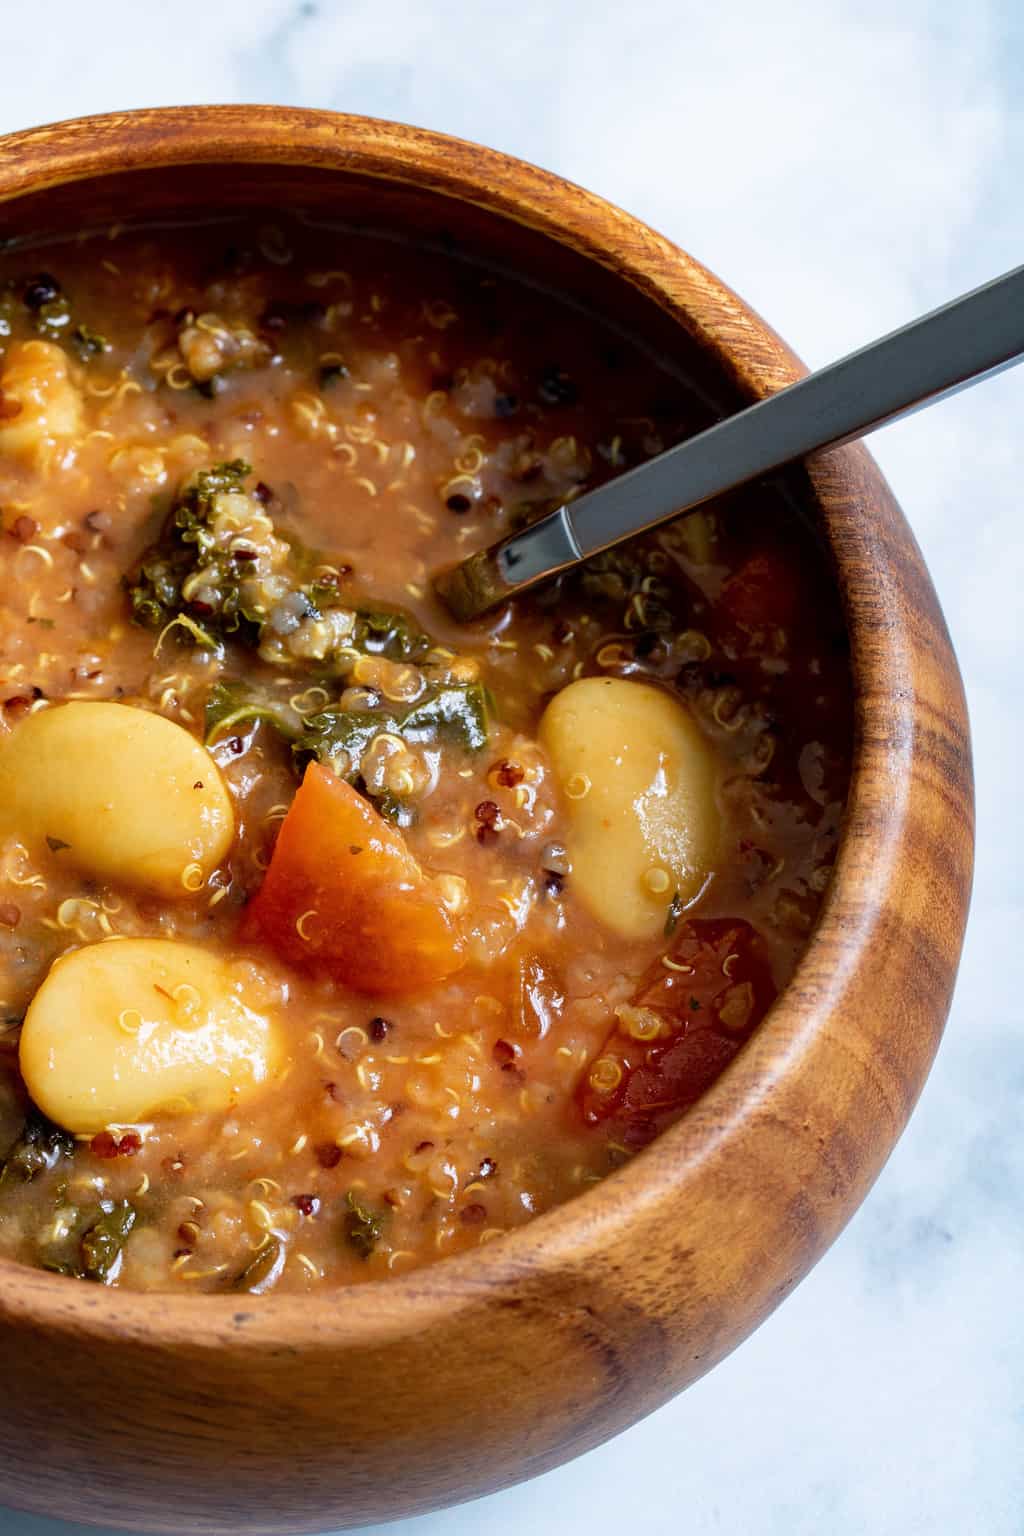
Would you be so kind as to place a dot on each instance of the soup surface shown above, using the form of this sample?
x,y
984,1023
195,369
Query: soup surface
x,y
335,938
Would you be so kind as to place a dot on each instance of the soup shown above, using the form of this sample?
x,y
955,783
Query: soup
x,y
336,938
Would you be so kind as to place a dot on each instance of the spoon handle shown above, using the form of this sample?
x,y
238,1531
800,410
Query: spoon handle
x,y
978,334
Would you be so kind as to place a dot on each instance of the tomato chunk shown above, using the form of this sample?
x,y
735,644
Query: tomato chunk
x,y
687,1020
344,896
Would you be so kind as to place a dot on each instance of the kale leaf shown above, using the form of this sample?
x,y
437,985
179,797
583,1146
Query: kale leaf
x,y
231,704
459,713
187,546
88,343
101,1247
363,1227
388,632
93,1248
263,1270
213,576
39,1148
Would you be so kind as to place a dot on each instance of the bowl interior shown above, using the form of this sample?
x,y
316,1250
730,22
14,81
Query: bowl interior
x,y
568,261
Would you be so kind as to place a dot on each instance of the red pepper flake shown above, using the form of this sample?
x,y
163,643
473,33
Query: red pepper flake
x,y
509,774
24,529
308,1205
379,1027
327,1154
75,541
10,915
424,1146
236,745
473,1215
488,1168
9,408
504,1051
105,1144
19,705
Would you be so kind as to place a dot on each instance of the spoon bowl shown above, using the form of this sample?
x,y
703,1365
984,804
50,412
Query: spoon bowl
x,y
976,335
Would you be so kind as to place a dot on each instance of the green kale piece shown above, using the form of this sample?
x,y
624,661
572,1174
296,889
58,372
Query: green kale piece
x,y
390,633
101,1246
231,704
325,736
186,545
363,1228
88,343
456,712
296,585
459,713
263,1270
39,1148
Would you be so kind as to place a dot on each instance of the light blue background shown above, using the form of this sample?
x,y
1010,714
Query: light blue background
x,y
844,166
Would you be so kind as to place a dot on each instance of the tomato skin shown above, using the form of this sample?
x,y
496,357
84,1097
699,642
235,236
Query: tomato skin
x,y
344,897
703,1014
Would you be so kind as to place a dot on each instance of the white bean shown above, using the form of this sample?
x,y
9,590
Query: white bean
x,y
131,796
128,1029
638,785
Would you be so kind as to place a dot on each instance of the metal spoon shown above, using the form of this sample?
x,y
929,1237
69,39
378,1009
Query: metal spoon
x,y
976,335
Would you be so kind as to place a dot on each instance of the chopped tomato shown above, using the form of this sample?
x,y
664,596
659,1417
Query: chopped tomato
x,y
687,1020
764,592
344,896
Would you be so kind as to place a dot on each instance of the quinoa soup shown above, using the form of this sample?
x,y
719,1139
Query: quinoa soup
x,y
335,938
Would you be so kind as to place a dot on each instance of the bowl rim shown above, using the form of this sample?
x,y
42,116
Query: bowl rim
x,y
81,149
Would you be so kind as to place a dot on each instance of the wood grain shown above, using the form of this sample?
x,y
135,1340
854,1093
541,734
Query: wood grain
x,y
216,1415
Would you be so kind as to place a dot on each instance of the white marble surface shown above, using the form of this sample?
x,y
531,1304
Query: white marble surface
x,y
844,164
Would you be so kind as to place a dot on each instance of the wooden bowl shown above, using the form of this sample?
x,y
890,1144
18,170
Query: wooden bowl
x,y
220,1414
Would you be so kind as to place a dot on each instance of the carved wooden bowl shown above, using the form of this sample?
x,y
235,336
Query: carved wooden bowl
x,y
228,1414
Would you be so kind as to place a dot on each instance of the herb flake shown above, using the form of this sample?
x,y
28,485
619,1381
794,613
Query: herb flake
x,y
363,1227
